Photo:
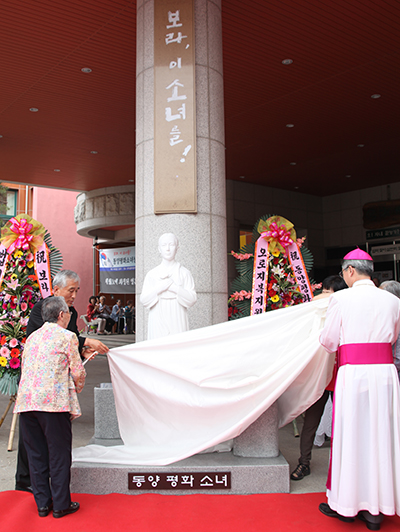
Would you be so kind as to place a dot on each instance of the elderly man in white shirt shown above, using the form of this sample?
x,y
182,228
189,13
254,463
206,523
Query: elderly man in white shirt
x,y
362,324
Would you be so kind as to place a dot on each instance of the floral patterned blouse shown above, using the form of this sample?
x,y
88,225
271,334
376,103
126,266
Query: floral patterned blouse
x,y
52,372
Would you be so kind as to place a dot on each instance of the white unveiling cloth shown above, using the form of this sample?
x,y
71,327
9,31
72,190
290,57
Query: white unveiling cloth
x,y
179,395
366,438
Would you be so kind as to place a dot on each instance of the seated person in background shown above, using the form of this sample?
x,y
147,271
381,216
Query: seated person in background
x,y
129,313
51,358
394,288
105,312
92,315
313,414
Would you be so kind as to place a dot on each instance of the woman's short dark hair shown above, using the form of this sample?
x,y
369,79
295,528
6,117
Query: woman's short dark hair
x,y
333,282
92,297
51,308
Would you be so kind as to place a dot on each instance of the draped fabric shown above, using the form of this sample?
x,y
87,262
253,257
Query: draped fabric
x,y
179,395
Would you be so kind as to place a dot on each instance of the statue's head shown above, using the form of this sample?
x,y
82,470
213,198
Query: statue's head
x,y
168,246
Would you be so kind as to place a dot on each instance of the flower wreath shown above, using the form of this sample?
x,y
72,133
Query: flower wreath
x,y
281,286
22,238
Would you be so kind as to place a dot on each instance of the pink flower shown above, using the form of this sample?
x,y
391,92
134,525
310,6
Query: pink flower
x,y
241,256
15,363
316,286
13,342
4,352
13,284
240,296
300,241
23,306
29,257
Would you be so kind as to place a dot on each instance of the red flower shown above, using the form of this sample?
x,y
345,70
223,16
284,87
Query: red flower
x,y
3,340
14,363
14,353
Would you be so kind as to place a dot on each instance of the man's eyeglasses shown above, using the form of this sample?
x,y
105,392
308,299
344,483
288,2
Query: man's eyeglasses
x,y
341,272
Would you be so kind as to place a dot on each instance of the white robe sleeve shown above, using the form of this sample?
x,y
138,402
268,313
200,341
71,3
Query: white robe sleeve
x,y
186,295
149,296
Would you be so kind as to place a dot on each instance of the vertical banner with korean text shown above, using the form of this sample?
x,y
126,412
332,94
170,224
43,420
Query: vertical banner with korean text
x,y
260,277
42,270
300,272
117,270
175,188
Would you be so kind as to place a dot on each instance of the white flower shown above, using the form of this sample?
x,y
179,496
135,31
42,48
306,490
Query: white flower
x,y
277,270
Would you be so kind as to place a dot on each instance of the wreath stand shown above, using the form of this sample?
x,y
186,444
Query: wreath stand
x,y
13,422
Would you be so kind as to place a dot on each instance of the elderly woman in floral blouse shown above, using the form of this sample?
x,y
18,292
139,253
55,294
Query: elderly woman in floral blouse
x,y
52,375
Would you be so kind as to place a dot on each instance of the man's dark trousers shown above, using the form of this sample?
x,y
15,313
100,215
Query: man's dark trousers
x,y
48,442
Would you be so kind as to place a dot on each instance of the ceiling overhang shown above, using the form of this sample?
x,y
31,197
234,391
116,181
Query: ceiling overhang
x,y
312,125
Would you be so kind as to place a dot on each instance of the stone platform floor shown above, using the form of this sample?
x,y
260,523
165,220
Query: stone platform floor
x,y
83,430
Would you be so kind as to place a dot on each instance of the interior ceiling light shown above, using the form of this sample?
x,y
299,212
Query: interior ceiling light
x,y
375,96
86,70
289,125
34,109
241,176
131,180
293,164
57,170
1,136
296,188
94,152
348,175
360,145
287,61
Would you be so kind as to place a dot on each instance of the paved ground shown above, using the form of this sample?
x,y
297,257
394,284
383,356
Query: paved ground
x,y
83,429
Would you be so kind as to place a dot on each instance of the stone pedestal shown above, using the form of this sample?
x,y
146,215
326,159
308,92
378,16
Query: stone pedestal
x,y
260,440
255,464
105,415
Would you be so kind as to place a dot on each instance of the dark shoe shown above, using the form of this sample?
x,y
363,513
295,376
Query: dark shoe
x,y
24,488
368,524
300,472
73,507
327,510
45,510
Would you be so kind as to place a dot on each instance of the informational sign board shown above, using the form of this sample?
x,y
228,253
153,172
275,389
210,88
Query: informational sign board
x,y
117,270
388,249
175,188
388,232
